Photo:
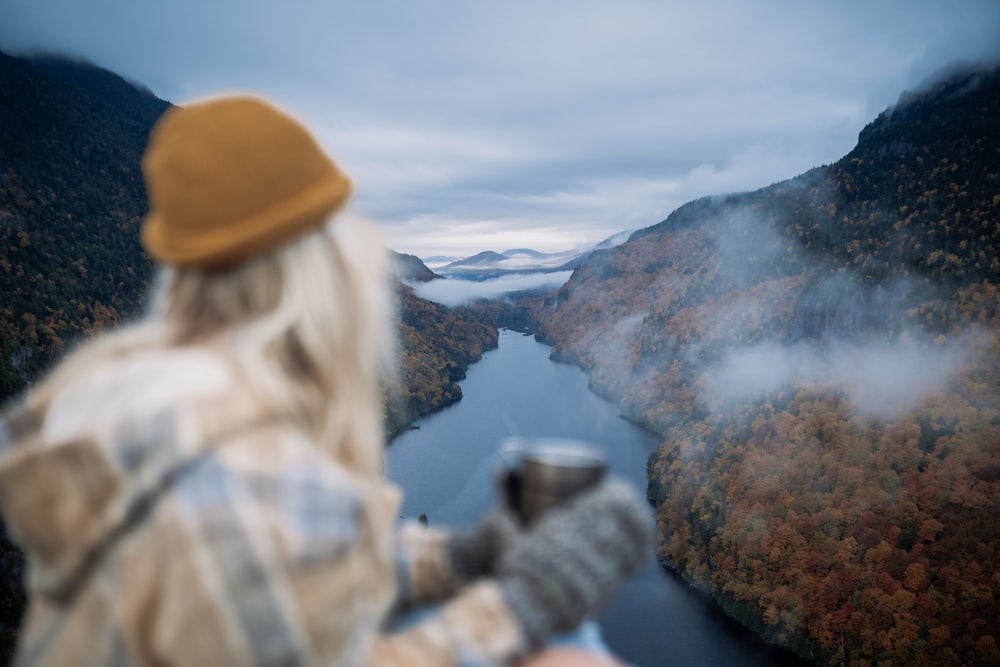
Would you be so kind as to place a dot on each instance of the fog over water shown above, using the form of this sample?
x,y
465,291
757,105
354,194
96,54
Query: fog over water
x,y
452,292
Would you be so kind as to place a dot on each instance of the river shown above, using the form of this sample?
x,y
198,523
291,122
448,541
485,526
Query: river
x,y
446,468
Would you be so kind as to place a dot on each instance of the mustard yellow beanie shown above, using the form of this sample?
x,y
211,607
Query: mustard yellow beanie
x,y
233,178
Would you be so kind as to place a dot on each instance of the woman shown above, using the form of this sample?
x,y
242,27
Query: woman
x,y
206,486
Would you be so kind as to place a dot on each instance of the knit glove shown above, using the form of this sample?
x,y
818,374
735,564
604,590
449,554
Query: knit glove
x,y
575,558
474,553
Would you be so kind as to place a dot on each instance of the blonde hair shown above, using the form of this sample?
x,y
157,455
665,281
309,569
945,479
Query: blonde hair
x,y
309,326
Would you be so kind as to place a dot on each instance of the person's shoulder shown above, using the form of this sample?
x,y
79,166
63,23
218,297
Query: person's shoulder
x,y
135,387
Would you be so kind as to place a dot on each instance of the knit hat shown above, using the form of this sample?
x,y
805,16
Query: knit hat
x,y
233,178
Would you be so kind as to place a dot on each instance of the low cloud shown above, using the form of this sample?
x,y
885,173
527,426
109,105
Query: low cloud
x,y
450,292
810,329
881,379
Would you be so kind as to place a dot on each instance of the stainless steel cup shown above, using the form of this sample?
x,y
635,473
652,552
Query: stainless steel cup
x,y
549,471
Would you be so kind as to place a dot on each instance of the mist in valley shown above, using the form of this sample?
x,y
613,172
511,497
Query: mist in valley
x,y
456,292
757,314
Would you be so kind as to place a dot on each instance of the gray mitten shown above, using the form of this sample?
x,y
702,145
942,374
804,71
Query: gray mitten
x,y
474,553
575,558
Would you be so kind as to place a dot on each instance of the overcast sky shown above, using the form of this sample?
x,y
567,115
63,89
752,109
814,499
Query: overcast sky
x,y
474,125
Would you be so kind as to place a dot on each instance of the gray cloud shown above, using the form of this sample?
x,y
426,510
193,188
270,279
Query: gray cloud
x,y
474,125
859,343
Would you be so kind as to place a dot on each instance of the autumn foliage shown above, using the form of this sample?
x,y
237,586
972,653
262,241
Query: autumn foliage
x,y
437,345
849,513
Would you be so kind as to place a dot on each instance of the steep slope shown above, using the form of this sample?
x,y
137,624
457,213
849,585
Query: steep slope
x,y
821,359
437,344
71,198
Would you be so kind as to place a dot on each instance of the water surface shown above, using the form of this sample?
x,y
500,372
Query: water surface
x,y
447,469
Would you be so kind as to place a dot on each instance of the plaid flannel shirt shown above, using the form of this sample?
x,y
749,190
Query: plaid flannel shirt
x,y
168,520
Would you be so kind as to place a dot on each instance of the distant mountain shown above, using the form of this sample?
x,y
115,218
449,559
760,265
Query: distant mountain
x,y
488,257
821,359
435,261
523,252
489,264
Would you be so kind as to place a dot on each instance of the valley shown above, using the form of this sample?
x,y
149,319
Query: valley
x,y
818,359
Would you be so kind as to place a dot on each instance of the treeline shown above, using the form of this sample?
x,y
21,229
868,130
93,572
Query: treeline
x,y
850,534
437,344
520,311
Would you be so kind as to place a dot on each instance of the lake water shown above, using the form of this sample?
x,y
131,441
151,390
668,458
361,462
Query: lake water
x,y
447,469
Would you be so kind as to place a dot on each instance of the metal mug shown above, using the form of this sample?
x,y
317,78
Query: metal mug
x,y
547,472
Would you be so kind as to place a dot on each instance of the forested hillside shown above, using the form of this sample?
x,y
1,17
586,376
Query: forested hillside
x,y
822,362
71,199
437,344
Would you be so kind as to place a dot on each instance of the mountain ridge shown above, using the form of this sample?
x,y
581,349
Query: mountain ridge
x,y
490,264
826,507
